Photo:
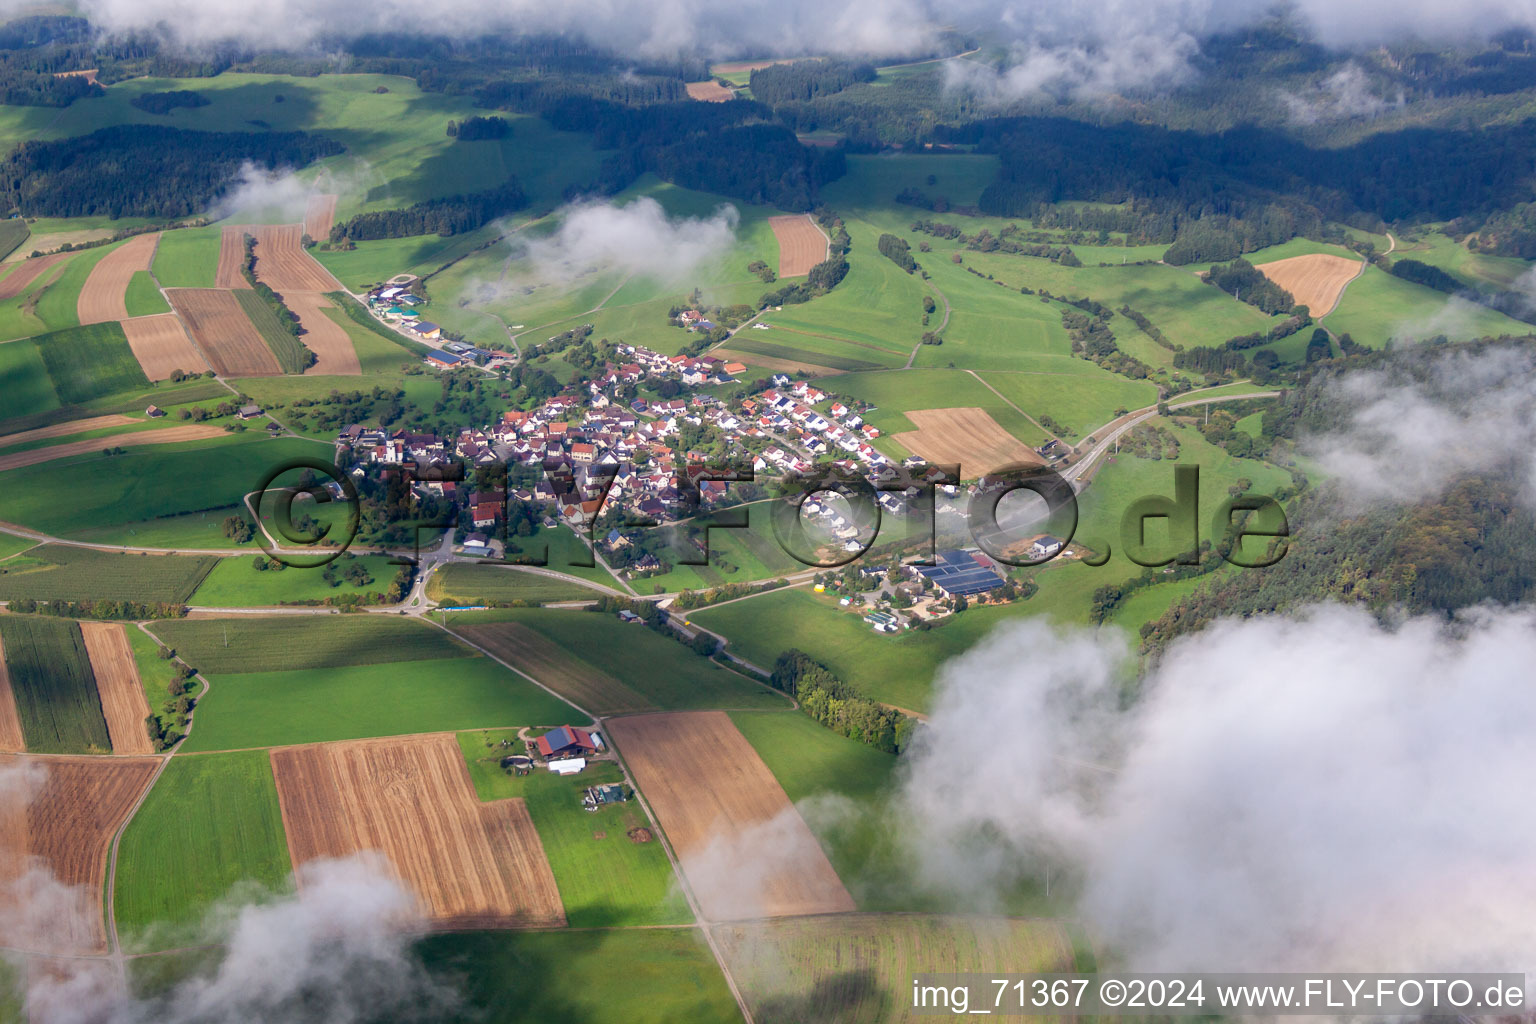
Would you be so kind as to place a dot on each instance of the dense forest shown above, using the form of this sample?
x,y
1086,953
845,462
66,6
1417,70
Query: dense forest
x,y
1240,280
473,129
165,102
143,170
1475,542
451,215
807,80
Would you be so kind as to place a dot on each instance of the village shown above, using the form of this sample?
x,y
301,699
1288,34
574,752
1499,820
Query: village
x,y
610,468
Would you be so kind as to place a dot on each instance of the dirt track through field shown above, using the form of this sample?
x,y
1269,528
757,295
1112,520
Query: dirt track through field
x,y
224,334
165,435
470,864
801,244
319,215
65,429
746,851
162,346
1315,280
567,675
709,92
284,266
968,436
117,683
104,295
11,738
326,338
14,283
62,811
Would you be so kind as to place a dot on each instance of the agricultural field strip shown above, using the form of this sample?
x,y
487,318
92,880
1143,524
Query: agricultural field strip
x,y
572,678
117,681
223,333
16,282
967,436
11,738
470,864
802,243
103,295
319,215
1315,280
162,346
68,817
65,429
164,435
716,798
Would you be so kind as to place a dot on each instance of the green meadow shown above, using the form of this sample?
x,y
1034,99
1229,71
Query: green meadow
x,y
247,643
209,830
236,582
1379,307
313,705
55,572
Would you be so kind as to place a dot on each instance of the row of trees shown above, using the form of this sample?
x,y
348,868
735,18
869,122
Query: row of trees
x,y
807,80
838,706
451,215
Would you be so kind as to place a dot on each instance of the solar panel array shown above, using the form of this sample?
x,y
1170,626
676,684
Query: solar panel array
x,y
959,573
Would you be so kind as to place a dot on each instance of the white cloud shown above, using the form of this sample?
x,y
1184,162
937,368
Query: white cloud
x,y
1314,793
1347,93
1408,441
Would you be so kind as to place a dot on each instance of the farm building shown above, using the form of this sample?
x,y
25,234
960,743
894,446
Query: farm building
x,y
959,573
567,741
601,796
1044,546
569,766
425,329
444,359
250,411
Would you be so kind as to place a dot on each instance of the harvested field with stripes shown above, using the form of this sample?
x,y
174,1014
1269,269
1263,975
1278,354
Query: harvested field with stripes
x,y
801,244
770,363
968,436
231,255
102,296
65,429
552,665
11,738
161,345
14,283
326,338
470,864
223,332
709,92
62,811
744,848
117,681
281,262
165,435
1315,280
319,215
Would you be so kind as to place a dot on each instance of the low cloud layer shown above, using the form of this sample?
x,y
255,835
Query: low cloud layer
x,y
1098,43
340,953
637,238
1312,793
1345,94
1407,441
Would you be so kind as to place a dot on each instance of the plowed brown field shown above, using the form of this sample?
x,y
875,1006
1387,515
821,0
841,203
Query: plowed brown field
x,y
1315,280
226,337
14,283
161,345
165,435
231,254
325,337
102,297
117,682
770,363
319,215
968,436
62,811
746,851
11,738
471,865
284,266
65,429
551,665
801,244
